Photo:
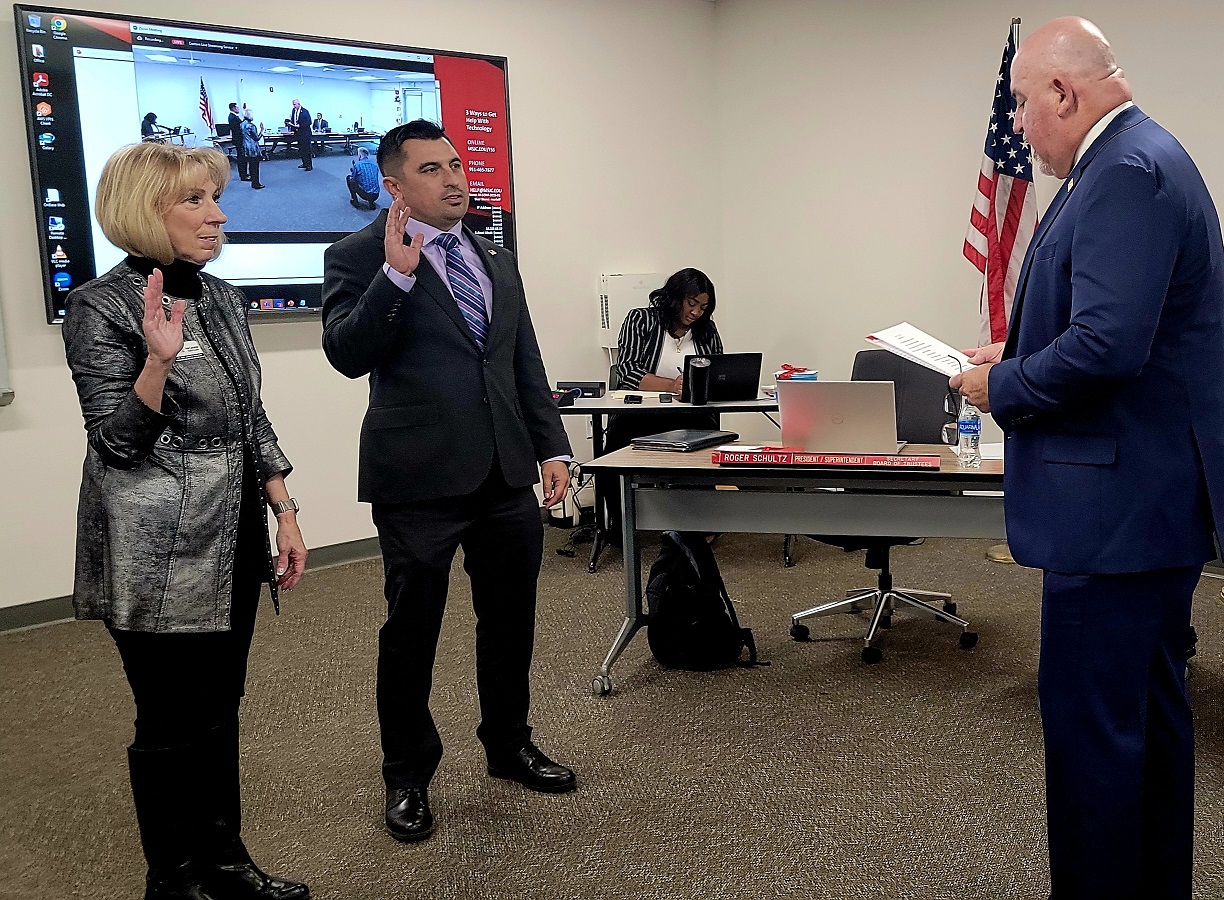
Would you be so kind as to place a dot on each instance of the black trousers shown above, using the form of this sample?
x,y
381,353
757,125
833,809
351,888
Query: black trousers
x,y
185,685
303,142
1119,737
502,536
357,192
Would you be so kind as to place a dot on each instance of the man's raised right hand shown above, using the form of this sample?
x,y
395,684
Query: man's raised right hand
x,y
404,258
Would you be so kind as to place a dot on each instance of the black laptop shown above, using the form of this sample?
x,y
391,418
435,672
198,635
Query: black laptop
x,y
733,376
684,439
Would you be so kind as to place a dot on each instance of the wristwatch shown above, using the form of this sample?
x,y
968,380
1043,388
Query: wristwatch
x,y
284,506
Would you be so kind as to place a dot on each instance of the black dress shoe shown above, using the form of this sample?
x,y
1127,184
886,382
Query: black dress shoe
x,y
247,881
252,883
258,187
179,882
302,165
532,769
408,816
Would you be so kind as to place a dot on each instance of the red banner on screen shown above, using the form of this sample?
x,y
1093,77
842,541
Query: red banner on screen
x,y
474,114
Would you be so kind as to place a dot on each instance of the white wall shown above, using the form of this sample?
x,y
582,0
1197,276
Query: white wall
x,y
173,92
851,133
614,153
817,159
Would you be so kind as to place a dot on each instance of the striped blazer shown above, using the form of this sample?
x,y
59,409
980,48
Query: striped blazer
x,y
641,345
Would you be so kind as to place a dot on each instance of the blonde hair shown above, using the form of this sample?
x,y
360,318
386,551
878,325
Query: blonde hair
x,y
140,183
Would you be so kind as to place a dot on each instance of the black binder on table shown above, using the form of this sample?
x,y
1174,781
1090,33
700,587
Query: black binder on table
x,y
683,439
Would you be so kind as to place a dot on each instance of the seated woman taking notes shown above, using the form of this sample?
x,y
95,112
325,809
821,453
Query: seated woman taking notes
x,y
650,358
654,341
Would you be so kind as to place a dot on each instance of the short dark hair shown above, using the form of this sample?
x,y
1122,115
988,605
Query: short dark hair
x,y
234,106
669,301
417,130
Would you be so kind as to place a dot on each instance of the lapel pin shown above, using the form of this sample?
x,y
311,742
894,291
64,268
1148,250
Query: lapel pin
x,y
1070,185
492,253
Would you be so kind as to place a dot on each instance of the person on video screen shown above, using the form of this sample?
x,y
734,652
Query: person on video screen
x,y
299,121
235,128
248,137
364,180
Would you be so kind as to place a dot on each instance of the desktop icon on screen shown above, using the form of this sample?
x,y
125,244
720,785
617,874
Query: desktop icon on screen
x,y
55,224
46,140
52,195
35,21
40,79
43,109
62,281
59,23
39,52
59,255
265,303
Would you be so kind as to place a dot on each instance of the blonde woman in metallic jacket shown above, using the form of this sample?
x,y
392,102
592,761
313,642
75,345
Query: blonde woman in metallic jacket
x,y
172,538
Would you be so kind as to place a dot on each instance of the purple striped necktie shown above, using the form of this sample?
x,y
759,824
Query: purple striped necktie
x,y
465,287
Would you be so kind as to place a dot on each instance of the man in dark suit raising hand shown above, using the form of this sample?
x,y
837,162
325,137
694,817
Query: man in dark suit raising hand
x,y
461,420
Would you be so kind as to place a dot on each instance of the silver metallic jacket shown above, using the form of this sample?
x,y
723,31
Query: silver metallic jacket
x,y
157,524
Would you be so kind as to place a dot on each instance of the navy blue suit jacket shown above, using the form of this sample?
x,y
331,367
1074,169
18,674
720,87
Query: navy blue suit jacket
x,y
1111,388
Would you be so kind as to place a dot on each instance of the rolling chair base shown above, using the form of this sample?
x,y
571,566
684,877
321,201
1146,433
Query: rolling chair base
x,y
883,604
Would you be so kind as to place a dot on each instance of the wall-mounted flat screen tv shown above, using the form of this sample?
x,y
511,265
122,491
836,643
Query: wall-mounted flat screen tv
x,y
94,82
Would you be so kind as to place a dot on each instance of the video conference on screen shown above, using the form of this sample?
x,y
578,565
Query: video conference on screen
x,y
94,82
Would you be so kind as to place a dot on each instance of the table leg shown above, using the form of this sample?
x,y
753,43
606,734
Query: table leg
x,y
635,618
597,449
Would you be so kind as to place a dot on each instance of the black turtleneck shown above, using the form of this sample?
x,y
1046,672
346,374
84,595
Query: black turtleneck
x,y
181,278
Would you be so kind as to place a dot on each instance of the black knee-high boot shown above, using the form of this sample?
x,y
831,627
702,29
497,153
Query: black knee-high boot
x,y
168,820
228,870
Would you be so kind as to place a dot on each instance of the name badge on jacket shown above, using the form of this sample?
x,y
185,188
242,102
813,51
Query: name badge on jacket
x,y
191,349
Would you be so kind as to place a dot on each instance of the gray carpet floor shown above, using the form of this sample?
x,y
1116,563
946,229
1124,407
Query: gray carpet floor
x,y
817,777
296,200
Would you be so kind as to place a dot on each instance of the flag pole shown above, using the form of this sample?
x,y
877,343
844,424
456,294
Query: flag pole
x,y
1001,553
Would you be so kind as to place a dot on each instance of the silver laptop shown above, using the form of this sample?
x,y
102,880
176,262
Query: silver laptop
x,y
839,416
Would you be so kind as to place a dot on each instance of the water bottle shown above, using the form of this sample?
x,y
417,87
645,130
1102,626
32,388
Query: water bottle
x,y
969,436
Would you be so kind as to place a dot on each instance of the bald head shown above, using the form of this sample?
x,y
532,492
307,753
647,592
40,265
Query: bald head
x,y
1065,79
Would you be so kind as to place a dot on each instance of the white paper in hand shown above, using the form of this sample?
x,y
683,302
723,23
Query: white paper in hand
x,y
917,346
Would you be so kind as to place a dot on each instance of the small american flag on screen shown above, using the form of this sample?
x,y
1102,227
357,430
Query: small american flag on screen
x,y
205,106
1004,214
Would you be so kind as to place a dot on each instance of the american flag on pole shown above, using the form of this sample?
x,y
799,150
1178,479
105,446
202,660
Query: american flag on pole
x,y
1004,214
205,106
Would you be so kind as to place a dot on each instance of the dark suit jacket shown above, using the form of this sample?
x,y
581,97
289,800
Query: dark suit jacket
x,y
235,126
1110,390
302,124
439,406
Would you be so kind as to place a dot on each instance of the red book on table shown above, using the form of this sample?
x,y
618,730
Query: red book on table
x,y
794,456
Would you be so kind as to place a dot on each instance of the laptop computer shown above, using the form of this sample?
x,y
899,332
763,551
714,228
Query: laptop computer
x,y
733,376
839,416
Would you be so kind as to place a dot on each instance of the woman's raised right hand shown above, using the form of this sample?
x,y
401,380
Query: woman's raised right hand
x,y
164,336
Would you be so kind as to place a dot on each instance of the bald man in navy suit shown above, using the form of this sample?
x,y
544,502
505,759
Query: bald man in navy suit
x,y
1108,389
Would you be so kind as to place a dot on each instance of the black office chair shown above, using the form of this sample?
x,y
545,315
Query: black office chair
x,y
921,396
